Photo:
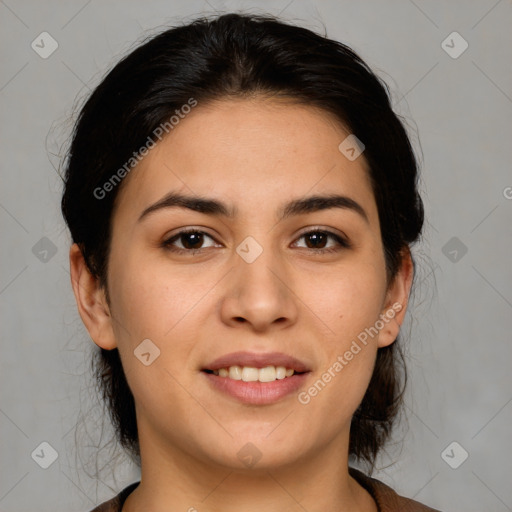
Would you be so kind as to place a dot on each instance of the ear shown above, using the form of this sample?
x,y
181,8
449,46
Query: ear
x,y
91,301
397,298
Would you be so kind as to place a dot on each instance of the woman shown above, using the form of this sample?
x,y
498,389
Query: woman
x,y
242,202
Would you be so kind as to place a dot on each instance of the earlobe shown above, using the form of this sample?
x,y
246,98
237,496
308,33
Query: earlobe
x,y
91,301
397,299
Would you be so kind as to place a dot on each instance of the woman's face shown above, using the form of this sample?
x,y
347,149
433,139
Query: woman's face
x,y
253,286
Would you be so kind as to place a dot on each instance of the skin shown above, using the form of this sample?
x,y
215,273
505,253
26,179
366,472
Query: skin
x,y
253,154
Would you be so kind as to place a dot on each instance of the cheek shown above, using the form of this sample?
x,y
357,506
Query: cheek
x,y
153,303
350,300
150,299
349,305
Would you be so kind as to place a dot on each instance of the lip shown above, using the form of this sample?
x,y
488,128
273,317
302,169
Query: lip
x,y
256,360
257,393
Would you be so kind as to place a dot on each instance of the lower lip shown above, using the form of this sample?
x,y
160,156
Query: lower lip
x,y
257,393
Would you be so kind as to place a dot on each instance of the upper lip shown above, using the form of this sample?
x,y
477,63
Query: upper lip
x,y
256,360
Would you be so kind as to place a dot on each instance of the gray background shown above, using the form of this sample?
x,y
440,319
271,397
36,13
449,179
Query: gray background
x,y
459,351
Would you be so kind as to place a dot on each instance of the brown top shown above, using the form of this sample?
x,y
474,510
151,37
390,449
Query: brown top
x,y
386,498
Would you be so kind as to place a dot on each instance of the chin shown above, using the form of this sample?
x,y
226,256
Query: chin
x,y
246,452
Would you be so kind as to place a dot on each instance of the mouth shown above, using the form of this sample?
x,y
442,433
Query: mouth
x,y
256,379
252,374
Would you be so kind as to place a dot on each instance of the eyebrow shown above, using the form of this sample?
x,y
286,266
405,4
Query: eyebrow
x,y
295,207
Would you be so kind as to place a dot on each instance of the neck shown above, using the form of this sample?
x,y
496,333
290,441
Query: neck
x,y
174,480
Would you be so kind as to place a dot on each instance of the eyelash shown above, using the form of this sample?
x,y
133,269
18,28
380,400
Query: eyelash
x,y
342,242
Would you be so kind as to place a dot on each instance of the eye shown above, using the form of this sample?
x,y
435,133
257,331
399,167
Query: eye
x,y
317,241
187,241
191,241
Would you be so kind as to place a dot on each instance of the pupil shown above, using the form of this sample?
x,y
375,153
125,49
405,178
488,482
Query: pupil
x,y
192,240
316,237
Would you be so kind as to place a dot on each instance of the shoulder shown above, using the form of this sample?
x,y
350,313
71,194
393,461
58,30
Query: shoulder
x,y
386,498
116,503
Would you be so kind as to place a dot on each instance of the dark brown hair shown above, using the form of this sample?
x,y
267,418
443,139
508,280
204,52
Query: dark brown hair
x,y
238,56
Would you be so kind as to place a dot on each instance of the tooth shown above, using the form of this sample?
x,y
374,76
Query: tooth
x,y
235,372
267,374
280,372
250,374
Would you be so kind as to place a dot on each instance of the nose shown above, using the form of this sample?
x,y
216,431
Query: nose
x,y
259,294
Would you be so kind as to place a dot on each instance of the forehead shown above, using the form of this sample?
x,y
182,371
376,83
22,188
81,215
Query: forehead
x,y
253,149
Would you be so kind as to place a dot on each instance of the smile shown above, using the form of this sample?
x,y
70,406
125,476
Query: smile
x,y
256,378
251,374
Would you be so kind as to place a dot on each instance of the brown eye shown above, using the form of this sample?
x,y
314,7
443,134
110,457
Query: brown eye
x,y
187,241
317,241
193,240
